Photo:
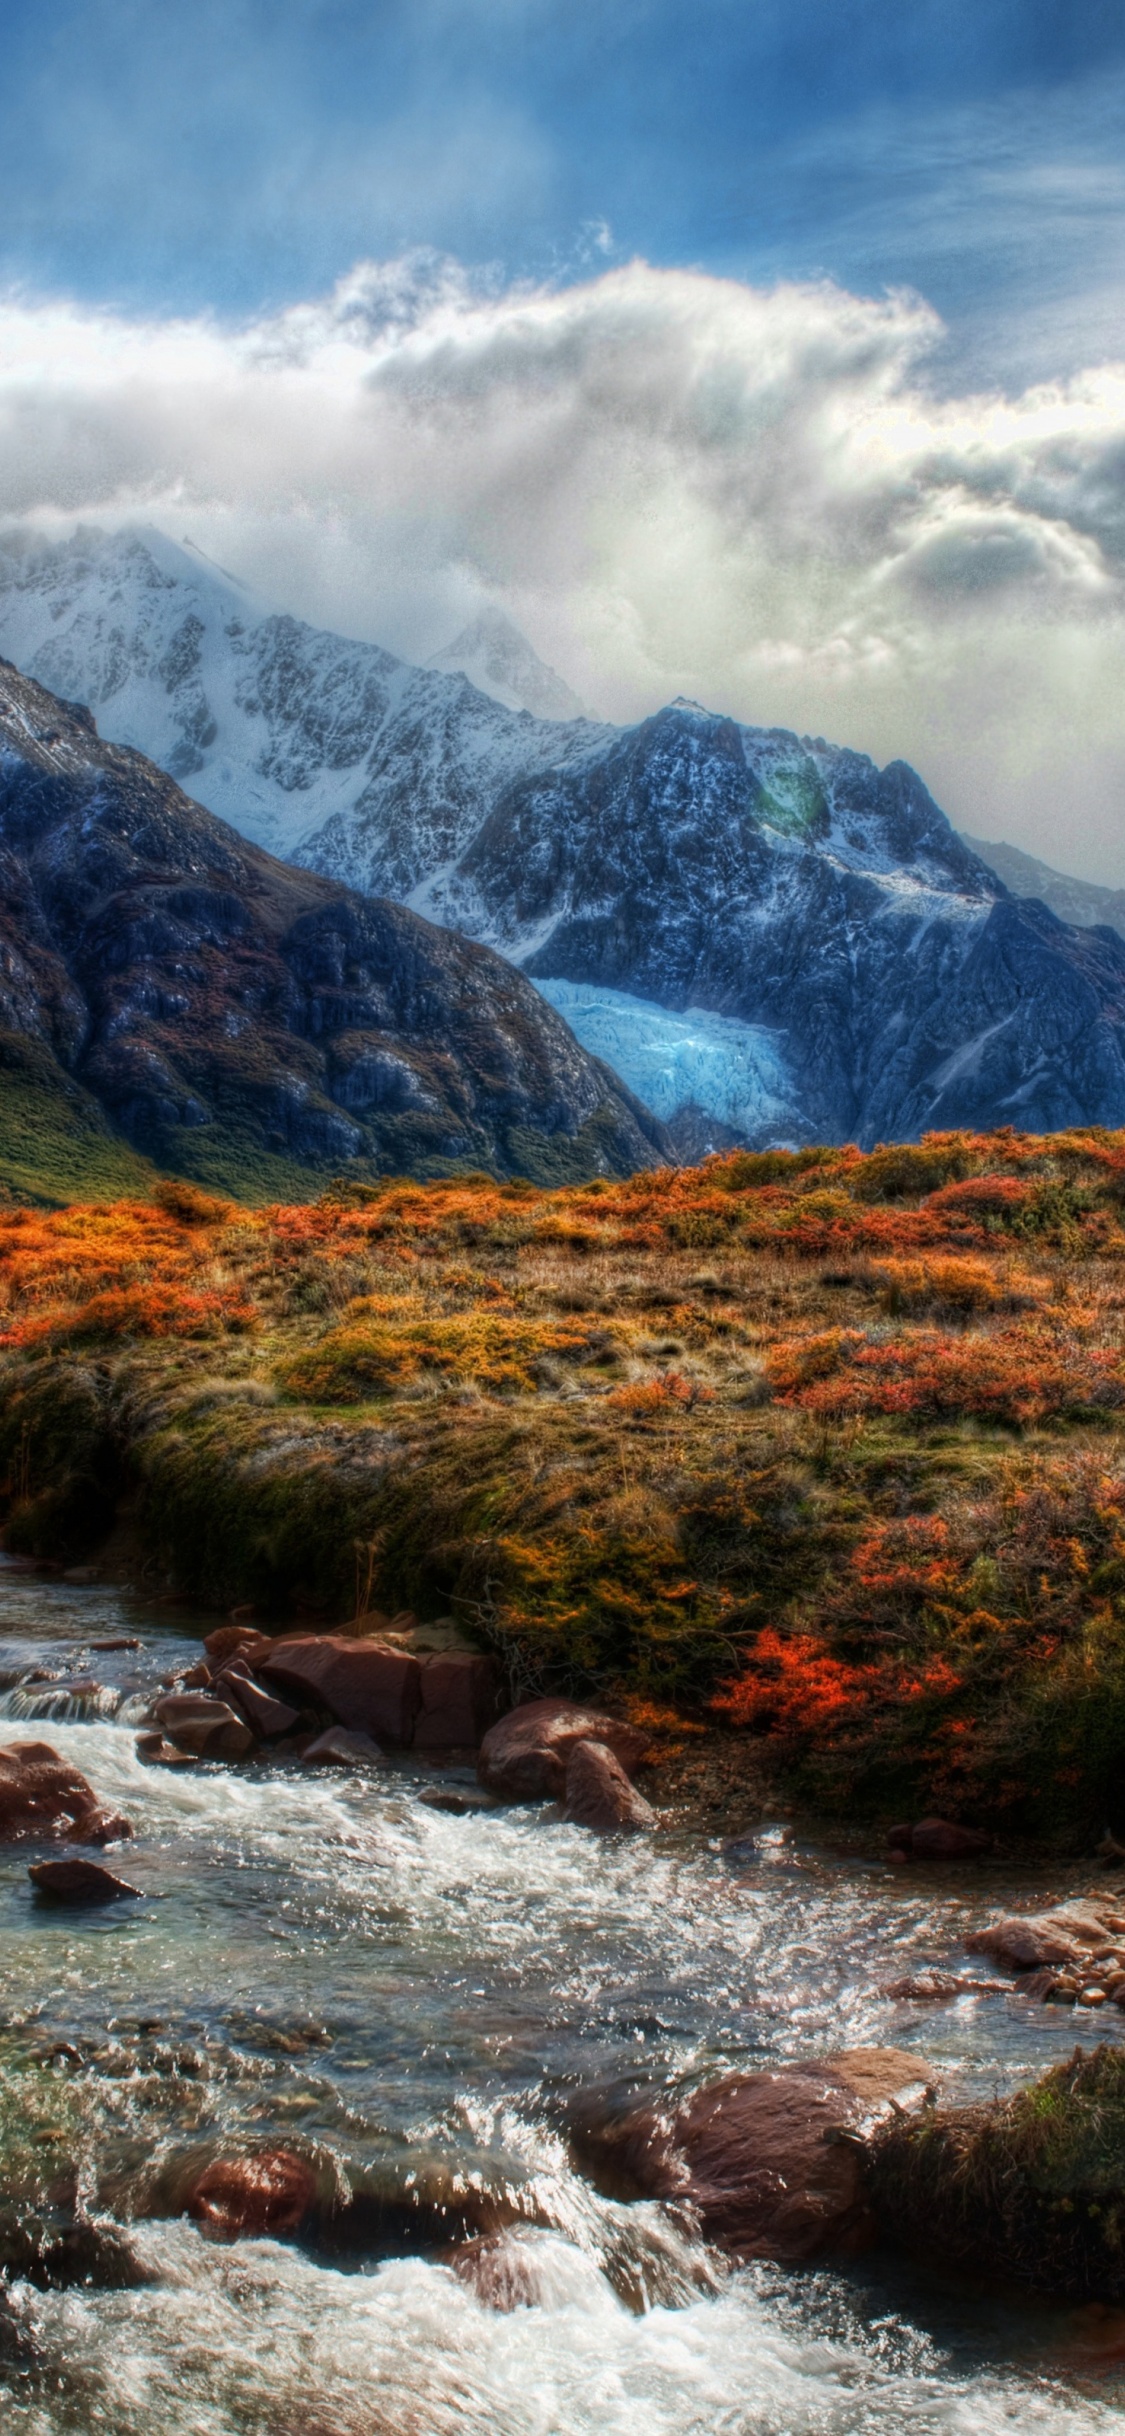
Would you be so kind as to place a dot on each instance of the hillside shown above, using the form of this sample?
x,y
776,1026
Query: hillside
x,y
815,1459
171,994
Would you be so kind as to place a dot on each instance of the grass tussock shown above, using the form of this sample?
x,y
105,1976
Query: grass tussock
x,y
1031,2191
825,1447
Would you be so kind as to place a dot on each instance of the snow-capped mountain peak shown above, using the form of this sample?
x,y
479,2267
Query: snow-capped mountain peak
x,y
495,656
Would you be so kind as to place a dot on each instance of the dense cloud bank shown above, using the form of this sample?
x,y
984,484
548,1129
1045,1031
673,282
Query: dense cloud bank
x,y
674,482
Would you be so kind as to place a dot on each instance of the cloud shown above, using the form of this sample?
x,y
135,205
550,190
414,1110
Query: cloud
x,y
674,482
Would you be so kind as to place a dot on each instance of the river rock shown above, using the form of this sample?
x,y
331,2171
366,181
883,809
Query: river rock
x,y
524,1757
1025,1941
245,1638
504,2272
76,1881
206,1727
599,1794
41,1796
768,2164
462,1697
364,1684
939,1840
263,1713
340,1748
269,2192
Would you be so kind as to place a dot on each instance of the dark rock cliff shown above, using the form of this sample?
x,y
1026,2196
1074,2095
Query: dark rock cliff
x,y
228,1012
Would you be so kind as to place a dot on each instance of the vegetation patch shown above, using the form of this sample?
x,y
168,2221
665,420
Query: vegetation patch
x,y
821,1450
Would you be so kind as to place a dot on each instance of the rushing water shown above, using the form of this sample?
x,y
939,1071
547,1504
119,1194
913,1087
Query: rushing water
x,y
326,1958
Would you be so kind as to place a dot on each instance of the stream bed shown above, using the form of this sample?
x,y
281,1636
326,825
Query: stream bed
x,y
415,1997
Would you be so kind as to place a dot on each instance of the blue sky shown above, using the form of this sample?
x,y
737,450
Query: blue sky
x,y
173,155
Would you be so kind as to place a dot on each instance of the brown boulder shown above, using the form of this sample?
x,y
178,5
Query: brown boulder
x,y
243,1638
599,1794
1025,1941
206,1727
504,2272
262,1713
41,1796
525,1756
78,1882
462,1696
267,2193
340,1748
771,2164
364,1684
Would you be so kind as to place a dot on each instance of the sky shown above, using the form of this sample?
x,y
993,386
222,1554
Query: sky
x,y
768,351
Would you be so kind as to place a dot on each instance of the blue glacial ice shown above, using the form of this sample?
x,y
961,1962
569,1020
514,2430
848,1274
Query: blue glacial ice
x,y
735,1071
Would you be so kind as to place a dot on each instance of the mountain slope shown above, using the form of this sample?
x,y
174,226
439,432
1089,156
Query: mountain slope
x,y
282,729
1079,901
236,1019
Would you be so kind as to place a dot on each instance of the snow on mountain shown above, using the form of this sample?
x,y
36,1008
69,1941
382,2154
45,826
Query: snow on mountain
x,y
497,658
285,731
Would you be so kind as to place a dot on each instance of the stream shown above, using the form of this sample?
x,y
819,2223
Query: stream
x,y
325,1958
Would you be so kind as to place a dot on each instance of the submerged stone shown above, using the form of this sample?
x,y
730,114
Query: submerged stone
x,y
77,1881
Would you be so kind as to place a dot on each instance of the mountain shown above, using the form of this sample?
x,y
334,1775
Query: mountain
x,y
877,977
285,731
168,989
1079,901
768,937
500,661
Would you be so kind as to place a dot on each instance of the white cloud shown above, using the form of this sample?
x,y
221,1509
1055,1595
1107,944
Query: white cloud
x,y
675,483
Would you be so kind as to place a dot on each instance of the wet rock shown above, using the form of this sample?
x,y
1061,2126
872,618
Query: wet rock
x,y
938,1840
599,1794
269,2192
524,1757
76,1881
339,1748
157,1753
244,1638
504,2272
365,1685
120,1641
207,1728
936,1987
767,2164
1026,1941
263,1713
462,1697
41,1796
455,1800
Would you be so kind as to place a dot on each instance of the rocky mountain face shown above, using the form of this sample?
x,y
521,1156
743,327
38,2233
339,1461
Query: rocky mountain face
x,y
876,973
285,731
243,1021
769,938
1082,902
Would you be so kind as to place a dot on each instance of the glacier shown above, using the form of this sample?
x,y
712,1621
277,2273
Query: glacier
x,y
733,1071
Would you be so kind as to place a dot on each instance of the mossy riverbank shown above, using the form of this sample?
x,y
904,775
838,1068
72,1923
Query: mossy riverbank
x,y
823,1449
